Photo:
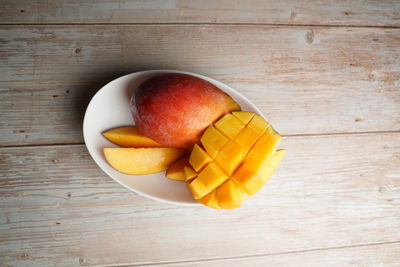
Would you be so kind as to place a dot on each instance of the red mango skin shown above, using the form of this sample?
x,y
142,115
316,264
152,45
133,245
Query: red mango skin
x,y
174,109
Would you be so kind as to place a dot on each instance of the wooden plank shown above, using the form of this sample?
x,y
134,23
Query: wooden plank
x,y
58,208
305,80
371,255
348,12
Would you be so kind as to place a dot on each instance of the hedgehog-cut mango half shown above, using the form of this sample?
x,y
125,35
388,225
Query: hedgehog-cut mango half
x,y
235,158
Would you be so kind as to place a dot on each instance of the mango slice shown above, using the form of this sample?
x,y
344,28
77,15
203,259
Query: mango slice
x,y
258,124
236,157
263,149
210,200
247,179
199,158
268,168
251,181
129,136
230,156
190,173
176,170
229,195
198,189
211,177
229,125
142,160
247,138
244,116
212,141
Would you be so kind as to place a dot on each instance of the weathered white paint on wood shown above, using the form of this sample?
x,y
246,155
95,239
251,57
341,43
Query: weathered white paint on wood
x,y
58,208
371,255
347,12
306,80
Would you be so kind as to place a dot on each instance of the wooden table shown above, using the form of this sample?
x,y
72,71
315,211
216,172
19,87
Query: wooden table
x,y
325,73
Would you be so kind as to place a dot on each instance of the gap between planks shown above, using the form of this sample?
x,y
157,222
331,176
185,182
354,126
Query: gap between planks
x,y
345,84
211,260
283,135
201,24
91,252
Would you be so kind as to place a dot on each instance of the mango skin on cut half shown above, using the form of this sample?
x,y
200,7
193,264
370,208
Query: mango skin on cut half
x,y
236,157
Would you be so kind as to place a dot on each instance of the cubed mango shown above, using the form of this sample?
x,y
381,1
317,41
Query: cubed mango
x,y
198,189
210,200
263,149
258,124
213,140
238,158
212,176
189,172
247,138
230,156
229,125
244,116
269,167
199,158
229,195
247,179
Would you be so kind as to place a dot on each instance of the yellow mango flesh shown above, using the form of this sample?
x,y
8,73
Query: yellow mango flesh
x,y
263,149
141,160
230,156
212,141
250,180
268,168
211,177
190,173
210,200
129,136
229,196
199,158
258,124
244,116
176,170
229,125
247,179
198,189
247,138
238,158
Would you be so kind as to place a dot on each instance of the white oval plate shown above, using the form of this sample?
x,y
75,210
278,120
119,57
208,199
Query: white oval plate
x,y
109,108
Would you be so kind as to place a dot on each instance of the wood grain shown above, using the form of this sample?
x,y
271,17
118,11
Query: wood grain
x,y
58,208
347,12
333,69
306,80
370,255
